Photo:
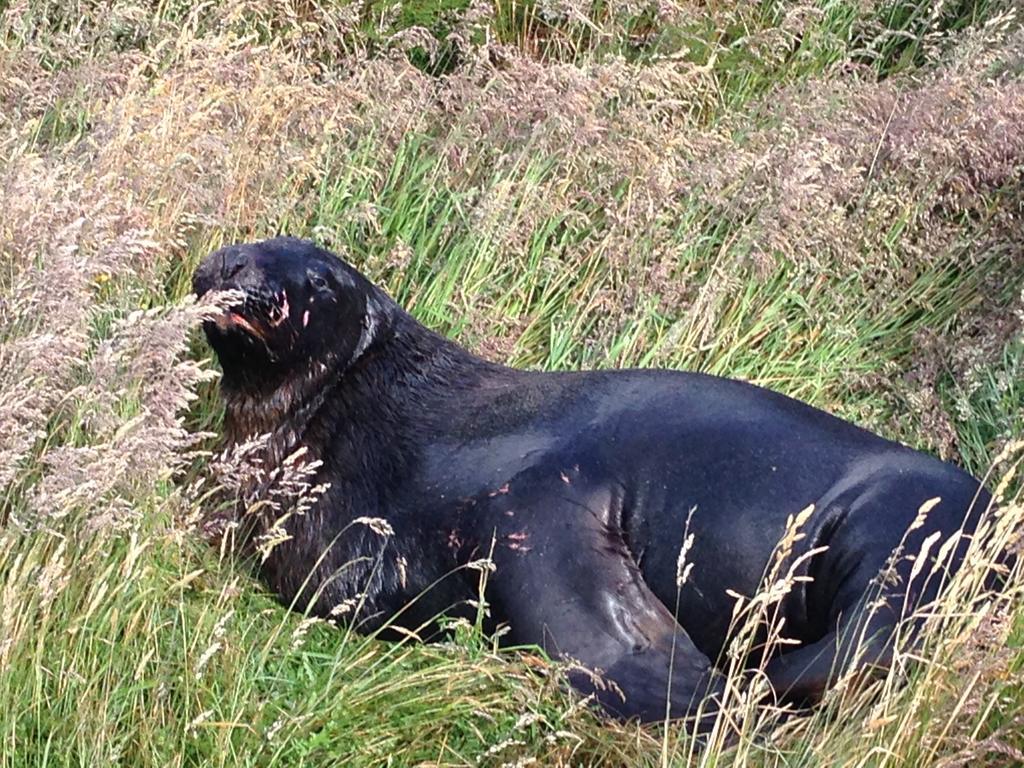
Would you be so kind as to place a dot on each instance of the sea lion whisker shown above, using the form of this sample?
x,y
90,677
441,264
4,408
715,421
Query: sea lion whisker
x,y
280,311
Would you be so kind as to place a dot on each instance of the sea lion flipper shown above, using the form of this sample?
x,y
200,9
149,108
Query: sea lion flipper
x,y
567,582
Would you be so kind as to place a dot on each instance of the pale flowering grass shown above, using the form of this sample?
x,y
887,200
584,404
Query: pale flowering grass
x,y
824,198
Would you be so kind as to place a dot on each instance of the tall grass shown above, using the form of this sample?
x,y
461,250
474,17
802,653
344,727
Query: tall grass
x,y
824,198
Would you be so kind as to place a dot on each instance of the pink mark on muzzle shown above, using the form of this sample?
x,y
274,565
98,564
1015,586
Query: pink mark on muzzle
x,y
305,318
231,319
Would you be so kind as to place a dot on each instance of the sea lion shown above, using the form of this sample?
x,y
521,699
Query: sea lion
x,y
586,490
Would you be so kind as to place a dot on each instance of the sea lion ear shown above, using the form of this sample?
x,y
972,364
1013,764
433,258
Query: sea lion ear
x,y
374,321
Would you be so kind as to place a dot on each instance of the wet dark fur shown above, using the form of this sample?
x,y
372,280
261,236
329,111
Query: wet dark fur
x,y
579,485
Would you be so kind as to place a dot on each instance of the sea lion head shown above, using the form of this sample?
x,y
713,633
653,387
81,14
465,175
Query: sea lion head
x,y
303,311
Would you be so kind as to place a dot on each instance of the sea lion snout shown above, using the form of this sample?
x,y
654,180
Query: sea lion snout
x,y
232,267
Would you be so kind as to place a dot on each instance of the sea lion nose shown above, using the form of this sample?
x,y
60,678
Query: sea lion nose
x,y
221,269
233,261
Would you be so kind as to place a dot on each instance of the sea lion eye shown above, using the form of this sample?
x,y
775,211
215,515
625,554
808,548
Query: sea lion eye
x,y
318,281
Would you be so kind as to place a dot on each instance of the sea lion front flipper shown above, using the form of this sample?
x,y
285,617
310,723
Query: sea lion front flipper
x,y
566,581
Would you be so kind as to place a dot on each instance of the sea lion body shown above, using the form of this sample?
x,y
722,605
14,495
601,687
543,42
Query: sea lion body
x,y
725,461
581,487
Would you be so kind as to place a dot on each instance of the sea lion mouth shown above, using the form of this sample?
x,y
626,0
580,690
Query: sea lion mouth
x,y
233,320
255,313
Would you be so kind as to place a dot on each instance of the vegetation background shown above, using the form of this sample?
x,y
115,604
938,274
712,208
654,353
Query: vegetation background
x,y
821,197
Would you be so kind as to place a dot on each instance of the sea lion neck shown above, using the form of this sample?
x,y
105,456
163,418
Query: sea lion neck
x,y
401,368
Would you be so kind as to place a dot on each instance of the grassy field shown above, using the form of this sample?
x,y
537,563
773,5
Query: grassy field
x,y
825,198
